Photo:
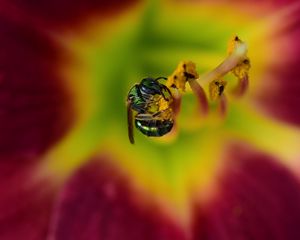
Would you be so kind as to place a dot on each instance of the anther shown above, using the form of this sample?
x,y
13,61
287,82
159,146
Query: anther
x,y
241,71
216,89
185,71
216,92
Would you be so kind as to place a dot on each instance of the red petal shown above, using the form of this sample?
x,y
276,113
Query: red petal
x,y
258,199
34,107
280,93
61,13
97,203
25,202
255,4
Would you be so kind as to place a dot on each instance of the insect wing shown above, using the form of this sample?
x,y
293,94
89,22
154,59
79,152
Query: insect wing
x,y
144,116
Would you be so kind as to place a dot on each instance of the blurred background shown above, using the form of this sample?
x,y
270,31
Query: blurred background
x,y
67,68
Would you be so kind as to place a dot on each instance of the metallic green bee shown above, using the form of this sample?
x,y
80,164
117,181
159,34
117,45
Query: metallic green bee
x,y
149,103
154,106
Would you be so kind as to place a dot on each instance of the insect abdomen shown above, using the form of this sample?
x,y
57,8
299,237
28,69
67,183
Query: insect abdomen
x,y
154,128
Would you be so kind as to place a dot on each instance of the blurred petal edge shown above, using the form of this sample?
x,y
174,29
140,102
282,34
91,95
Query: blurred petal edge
x,y
257,198
98,203
35,108
26,201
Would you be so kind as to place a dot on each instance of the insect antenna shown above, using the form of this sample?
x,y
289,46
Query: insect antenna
x,y
164,78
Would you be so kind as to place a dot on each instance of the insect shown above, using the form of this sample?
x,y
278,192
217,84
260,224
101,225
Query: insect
x,y
151,102
153,105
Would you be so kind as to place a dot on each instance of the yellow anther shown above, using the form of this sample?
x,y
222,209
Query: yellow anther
x,y
242,69
238,48
232,44
216,89
185,71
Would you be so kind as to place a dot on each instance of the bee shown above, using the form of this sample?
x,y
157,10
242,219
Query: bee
x,y
149,104
153,105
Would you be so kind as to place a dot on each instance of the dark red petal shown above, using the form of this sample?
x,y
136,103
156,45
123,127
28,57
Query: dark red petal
x,y
25,201
35,109
279,95
98,203
258,199
62,13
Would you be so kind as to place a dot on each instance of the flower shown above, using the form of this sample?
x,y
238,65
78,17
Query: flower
x,y
67,168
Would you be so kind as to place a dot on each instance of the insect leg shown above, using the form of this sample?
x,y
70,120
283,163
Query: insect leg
x,y
130,123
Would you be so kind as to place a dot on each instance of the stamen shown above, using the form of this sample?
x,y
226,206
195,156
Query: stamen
x,y
176,104
241,72
186,72
237,54
222,105
216,92
201,96
236,62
